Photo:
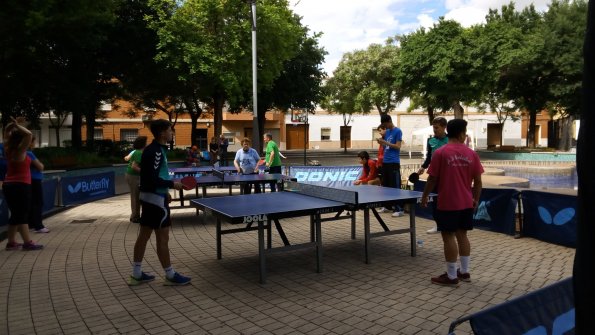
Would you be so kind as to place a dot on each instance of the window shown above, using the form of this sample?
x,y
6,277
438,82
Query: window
x,y
98,134
325,134
128,135
230,138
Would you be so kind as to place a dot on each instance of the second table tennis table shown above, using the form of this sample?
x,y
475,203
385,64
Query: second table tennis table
x,y
298,200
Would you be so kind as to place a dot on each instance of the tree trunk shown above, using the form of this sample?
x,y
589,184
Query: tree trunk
x,y
77,123
90,118
458,109
565,133
430,114
531,129
584,290
218,101
57,136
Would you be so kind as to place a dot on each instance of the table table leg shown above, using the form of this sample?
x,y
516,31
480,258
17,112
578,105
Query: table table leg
x,y
367,235
218,238
261,254
412,228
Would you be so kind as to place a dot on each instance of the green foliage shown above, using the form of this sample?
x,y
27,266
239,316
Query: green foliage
x,y
365,80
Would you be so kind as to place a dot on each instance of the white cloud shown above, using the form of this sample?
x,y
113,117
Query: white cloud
x,y
349,25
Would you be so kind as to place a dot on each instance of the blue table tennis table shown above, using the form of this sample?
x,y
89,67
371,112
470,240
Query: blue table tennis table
x,y
260,211
218,178
194,170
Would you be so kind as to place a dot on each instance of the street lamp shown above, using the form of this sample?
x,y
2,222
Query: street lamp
x,y
255,127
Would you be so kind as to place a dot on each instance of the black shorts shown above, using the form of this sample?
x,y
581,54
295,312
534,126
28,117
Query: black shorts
x,y
451,221
18,200
155,215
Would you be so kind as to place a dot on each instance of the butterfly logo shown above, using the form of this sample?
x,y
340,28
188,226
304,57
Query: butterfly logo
x,y
74,189
482,212
562,217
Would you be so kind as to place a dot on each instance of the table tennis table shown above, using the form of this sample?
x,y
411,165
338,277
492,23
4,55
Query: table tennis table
x,y
218,178
298,200
194,170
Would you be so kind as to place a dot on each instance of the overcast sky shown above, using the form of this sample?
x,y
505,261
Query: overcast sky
x,y
349,25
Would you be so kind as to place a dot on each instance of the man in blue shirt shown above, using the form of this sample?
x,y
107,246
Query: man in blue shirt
x,y
246,162
391,163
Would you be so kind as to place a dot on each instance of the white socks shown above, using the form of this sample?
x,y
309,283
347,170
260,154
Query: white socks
x,y
169,272
465,264
136,269
451,270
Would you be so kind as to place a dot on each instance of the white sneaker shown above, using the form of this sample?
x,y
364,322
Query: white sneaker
x,y
384,210
398,214
433,231
42,230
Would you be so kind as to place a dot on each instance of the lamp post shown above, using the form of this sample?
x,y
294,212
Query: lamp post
x,y
255,128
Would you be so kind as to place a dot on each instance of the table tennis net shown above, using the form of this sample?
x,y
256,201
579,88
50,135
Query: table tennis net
x,y
323,192
219,174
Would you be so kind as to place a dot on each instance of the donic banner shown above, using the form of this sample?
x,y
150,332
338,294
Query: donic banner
x,y
83,189
550,217
330,176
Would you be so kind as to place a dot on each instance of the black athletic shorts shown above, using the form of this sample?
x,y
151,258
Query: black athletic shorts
x,y
155,211
18,199
451,221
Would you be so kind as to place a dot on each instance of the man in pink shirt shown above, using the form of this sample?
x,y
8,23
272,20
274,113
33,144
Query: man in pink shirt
x,y
457,171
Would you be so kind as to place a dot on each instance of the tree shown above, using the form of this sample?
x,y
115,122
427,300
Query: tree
x,y
208,43
437,68
364,80
525,71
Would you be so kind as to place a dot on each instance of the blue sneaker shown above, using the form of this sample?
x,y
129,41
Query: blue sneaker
x,y
144,278
177,280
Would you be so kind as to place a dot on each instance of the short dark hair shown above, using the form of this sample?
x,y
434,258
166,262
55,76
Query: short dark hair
x,y
364,155
384,118
159,126
139,142
455,127
439,121
381,126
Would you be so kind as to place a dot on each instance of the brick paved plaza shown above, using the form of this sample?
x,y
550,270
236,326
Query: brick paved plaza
x,y
77,284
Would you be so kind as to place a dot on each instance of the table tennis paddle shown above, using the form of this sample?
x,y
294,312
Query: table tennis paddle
x,y
414,177
261,162
189,182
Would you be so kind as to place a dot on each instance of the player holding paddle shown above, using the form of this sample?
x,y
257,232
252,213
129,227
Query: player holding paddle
x,y
247,161
155,183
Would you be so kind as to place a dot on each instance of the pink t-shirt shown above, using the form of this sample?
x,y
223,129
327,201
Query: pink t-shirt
x,y
455,165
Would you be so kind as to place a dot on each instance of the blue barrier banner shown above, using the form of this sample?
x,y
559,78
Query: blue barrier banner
x,y
549,310
550,217
329,176
49,194
496,210
83,189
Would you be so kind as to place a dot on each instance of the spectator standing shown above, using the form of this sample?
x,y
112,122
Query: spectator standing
x,y
223,144
246,162
17,185
155,183
391,162
438,140
133,177
272,158
456,170
36,213
213,150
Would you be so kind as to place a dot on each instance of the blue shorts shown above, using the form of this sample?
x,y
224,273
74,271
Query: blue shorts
x,y
451,221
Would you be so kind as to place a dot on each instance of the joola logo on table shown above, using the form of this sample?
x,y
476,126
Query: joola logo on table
x,y
255,218
91,186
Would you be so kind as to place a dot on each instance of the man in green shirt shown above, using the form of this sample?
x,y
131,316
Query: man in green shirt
x,y
272,158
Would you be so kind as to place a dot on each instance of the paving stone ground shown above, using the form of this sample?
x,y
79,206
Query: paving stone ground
x,y
77,284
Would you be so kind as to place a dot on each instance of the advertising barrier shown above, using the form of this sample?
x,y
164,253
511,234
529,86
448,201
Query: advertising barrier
x,y
550,217
496,210
83,189
49,194
329,176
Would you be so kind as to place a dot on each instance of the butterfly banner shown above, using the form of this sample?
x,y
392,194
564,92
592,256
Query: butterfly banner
x,y
83,189
550,217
